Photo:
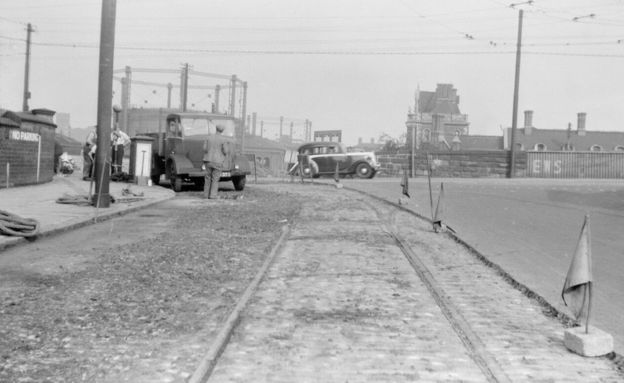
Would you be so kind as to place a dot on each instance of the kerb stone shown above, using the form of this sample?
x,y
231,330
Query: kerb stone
x,y
594,343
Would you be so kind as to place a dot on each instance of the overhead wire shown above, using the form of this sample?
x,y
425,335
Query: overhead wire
x,y
457,34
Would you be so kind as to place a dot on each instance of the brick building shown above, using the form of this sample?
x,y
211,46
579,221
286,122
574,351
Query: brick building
x,y
26,147
532,139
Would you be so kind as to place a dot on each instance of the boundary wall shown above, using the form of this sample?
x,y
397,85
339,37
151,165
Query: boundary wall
x,y
459,164
26,147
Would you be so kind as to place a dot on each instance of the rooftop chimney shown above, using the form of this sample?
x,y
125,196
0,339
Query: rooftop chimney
x,y
580,123
45,113
528,122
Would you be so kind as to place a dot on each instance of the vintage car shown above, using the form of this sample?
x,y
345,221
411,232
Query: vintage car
x,y
316,159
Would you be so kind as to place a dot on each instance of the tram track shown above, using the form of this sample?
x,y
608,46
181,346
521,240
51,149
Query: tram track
x,y
473,344
208,362
279,329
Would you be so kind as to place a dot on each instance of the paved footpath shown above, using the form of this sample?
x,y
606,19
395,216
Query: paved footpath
x,y
342,303
39,202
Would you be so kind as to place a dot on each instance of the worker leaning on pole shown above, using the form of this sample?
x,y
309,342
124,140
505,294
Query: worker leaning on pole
x,y
88,155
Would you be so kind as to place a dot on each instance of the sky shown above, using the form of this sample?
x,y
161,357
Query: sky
x,y
350,65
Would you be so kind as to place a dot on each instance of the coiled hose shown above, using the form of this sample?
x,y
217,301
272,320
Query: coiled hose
x,y
13,225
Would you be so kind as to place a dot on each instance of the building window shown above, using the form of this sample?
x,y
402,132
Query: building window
x,y
619,148
426,135
596,148
540,147
519,146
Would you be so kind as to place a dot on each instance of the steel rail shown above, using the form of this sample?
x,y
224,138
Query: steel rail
x,y
209,361
473,344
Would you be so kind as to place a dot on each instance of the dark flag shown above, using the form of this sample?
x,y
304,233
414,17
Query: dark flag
x,y
577,285
405,184
439,211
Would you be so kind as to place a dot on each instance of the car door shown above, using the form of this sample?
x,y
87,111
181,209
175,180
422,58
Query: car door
x,y
321,159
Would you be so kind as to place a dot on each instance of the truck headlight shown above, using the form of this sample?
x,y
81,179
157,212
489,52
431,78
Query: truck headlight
x,y
236,166
203,167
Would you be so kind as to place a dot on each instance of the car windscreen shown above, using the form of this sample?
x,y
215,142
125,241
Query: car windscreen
x,y
203,126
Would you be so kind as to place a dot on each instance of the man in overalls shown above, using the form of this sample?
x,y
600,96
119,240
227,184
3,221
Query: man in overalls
x,y
216,149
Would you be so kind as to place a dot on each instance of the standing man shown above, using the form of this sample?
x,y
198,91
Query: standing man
x,y
88,153
119,139
216,149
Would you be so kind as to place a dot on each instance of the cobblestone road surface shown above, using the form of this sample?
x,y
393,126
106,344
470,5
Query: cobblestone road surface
x,y
341,303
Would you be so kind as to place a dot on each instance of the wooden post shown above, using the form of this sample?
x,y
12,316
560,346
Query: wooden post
x,y
514,122
430,192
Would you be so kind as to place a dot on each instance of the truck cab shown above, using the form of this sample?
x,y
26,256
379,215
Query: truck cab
x,y
178,151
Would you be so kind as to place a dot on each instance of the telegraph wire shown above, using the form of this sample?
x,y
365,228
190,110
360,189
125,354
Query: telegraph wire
x,y
326,52
607,55
12,38
13,21
283,51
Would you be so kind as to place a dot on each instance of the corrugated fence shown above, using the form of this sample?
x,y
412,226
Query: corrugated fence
x,y
575,164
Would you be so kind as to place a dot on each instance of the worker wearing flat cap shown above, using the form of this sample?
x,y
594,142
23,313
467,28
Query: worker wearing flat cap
x,y
216,150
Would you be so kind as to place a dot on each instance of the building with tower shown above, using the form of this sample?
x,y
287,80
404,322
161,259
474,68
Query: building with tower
x,y
435,119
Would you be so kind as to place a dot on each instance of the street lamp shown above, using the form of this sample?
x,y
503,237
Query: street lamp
x,y
411,126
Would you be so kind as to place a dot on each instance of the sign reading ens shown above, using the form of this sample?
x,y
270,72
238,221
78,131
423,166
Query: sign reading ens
x,y
547,166
23,136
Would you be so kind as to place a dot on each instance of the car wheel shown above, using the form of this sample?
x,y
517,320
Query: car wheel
x,y
239,182
364,170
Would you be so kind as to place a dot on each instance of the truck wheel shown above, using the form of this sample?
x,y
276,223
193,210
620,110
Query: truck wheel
x,y
364,170
239,182
176,183
155,179
199,183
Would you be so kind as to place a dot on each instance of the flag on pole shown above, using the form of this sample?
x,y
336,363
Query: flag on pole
x,y
405,184
439,211
577,285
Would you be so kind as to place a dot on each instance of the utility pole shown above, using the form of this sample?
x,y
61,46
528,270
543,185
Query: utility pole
x,y
243,117
105,100
305,130
233,96
216,98
29,31
169,88
281,128
514,122
126,87
184,87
